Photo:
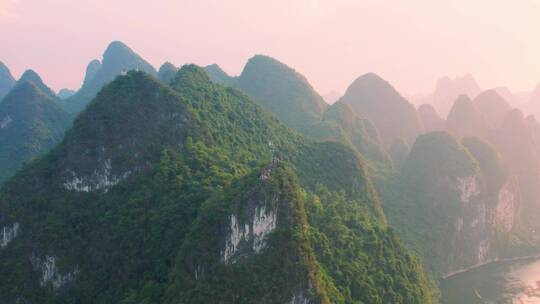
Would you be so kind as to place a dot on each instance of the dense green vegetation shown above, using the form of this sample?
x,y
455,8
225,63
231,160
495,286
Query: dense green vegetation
x,y
163,168
289,97
282,91
284,268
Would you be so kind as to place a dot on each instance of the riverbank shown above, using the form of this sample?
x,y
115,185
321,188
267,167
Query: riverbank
x,y
512,280
522,258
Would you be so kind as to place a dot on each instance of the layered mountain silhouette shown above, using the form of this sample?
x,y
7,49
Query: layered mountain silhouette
x,y
448,90
31,123
454,203
287,95
515,99
464,119
516,140
118,59
533,104
166,72
430,118
373,98
493,107
65,93
215,73
340,123
33,77
192,193
6,80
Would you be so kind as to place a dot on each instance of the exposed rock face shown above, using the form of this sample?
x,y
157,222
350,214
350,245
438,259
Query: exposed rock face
x,y
158,236
430,118
462,199
5,121
508,203
101,178
265,225
371,97
468,188
299,298
261,223
483,218
88,167
516,139
50,274
8,233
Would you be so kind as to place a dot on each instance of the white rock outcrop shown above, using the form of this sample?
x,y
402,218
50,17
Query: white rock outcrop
x,y
468,187
50,273
253,232
299,298
101,179
506,208
8,233
5,121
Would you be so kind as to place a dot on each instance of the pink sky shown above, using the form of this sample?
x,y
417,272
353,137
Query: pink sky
x,y
410,43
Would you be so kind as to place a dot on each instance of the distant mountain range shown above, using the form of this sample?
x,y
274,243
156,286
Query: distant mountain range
x,y
188,185
118,59
197,194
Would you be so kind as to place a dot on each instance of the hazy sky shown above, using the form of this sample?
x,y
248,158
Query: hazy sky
x,y
410,43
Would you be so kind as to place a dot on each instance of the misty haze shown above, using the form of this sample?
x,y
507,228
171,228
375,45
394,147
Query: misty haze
x,y
282,152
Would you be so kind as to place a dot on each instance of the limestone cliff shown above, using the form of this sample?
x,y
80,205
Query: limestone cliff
x,y
459,202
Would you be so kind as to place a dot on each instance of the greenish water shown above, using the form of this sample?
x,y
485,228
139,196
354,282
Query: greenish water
x,y
516,282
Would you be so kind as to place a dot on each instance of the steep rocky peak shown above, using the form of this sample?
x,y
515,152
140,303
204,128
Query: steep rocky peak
x,y
5,74
166,72
32,76
91,70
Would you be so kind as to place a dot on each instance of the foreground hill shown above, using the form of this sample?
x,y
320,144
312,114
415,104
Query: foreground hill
x,y
117,59
31,123
196,195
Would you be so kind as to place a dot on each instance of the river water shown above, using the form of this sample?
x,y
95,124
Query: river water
x,y
516,282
